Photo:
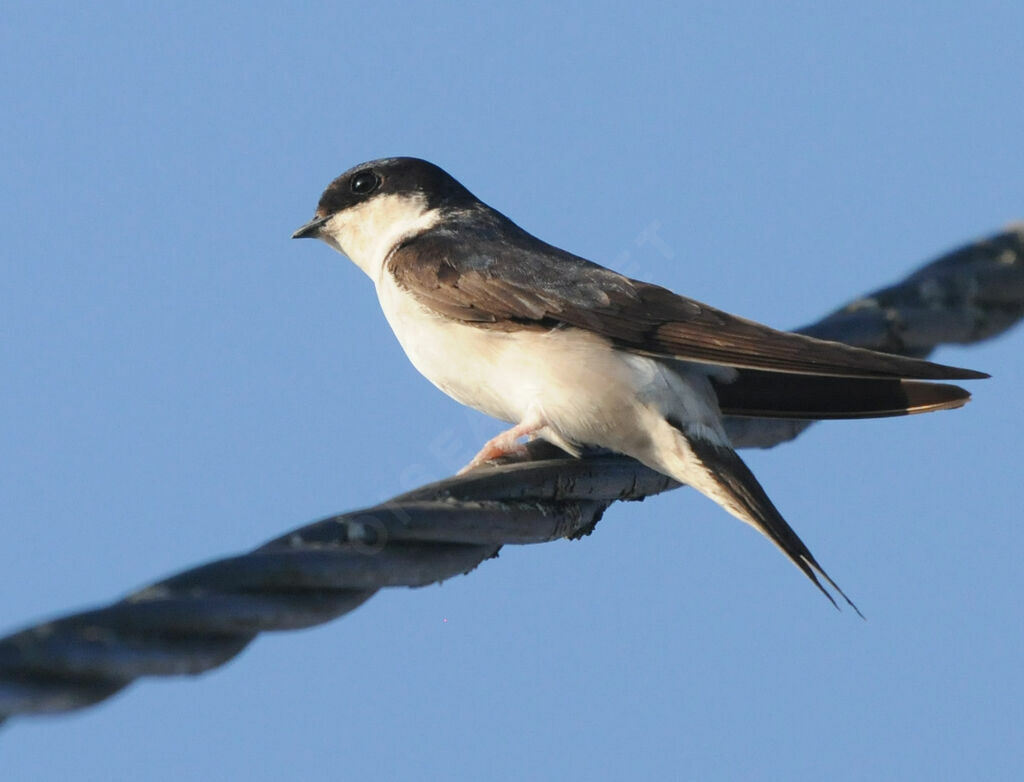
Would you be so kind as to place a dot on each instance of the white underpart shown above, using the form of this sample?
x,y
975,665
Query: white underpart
x,y
587,392
368,232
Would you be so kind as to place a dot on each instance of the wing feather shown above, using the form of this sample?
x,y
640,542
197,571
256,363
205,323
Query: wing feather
x,y
505,278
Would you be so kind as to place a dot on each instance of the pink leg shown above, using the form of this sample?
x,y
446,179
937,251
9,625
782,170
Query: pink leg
x,y
505,443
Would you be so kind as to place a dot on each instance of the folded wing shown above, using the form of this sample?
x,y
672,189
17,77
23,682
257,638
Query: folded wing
x,y
503,278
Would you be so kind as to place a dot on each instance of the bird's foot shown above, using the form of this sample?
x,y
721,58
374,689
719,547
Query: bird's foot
x,y
505,444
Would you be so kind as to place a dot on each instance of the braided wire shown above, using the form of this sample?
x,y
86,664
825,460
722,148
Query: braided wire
x,y
200,618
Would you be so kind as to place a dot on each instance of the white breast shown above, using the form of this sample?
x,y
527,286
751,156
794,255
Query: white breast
x,y
587,391
475,366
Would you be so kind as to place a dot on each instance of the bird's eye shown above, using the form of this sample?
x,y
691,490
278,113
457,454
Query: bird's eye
x,y
364,182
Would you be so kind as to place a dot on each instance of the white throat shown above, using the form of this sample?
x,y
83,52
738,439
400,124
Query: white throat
x,y
368,232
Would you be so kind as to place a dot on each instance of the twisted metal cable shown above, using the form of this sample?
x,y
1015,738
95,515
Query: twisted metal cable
x,y
204,616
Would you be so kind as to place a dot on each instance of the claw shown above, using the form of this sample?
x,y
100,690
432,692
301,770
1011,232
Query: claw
x,y
506,443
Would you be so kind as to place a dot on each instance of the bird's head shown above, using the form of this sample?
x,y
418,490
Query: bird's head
x,y
370,208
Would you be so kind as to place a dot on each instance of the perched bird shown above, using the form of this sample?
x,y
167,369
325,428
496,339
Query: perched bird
x,y
579,355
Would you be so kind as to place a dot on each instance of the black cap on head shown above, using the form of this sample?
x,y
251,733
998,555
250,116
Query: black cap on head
x,y
393,176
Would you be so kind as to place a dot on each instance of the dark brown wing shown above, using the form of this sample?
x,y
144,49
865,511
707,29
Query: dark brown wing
x,y
501,277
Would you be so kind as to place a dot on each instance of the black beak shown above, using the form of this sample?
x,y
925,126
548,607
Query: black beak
x,y
310,230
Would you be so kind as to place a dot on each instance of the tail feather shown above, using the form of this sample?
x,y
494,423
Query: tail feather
x,y
729,482
812,397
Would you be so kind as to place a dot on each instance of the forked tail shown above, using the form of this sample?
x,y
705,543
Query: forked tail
x,y
725,478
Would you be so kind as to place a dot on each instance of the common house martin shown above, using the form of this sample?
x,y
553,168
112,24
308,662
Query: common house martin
x,y
574,353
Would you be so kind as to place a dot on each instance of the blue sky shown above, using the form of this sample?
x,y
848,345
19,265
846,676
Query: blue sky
x,y
182,381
